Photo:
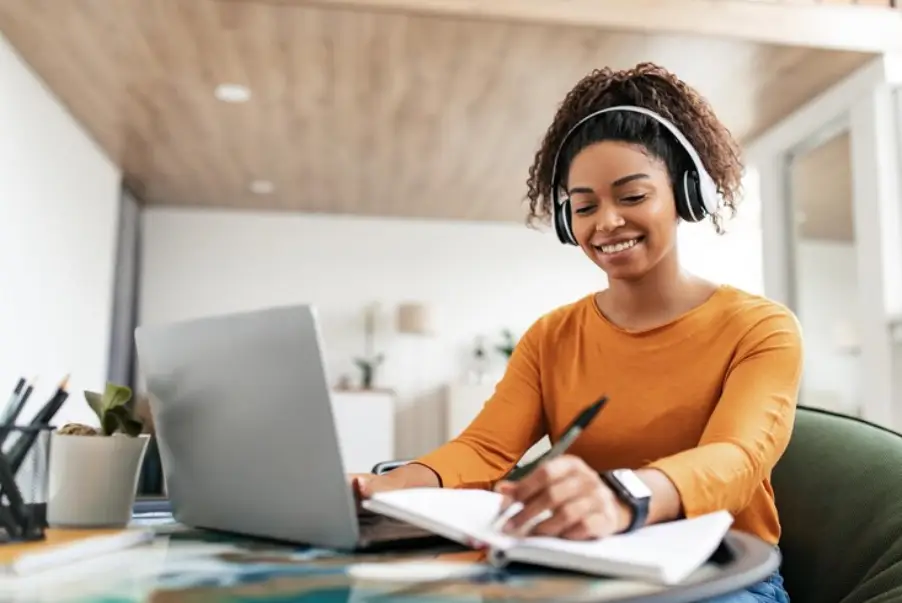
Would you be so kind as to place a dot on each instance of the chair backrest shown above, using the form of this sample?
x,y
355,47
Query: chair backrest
x,y
838,489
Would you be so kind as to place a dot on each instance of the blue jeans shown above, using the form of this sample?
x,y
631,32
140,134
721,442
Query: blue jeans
x,y
770,590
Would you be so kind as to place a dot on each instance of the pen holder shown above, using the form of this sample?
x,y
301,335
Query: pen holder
x,y
25,467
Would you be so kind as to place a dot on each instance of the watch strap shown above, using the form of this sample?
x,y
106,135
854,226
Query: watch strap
x,y
638,506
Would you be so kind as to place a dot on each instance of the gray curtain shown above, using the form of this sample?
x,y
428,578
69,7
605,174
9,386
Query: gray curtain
x,y
125,292
122,361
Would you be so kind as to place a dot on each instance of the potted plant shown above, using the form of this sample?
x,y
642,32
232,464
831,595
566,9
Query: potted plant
x,y
368,368
508,343
94,471
370,361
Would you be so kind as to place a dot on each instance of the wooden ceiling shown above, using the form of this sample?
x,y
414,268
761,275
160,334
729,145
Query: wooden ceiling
x,y
372,113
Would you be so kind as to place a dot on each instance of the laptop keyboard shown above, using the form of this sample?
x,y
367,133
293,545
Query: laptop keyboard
x,y
379,528
368,518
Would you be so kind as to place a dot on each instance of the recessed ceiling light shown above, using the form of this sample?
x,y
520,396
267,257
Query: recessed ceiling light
x,y
232,93
262,187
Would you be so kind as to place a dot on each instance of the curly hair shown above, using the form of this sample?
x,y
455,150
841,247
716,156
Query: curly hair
x,y
652,87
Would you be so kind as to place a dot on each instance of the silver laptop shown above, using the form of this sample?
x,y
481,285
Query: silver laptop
x,y
246,433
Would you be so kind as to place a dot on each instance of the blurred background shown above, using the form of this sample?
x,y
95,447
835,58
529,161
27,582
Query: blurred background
x,y
170,159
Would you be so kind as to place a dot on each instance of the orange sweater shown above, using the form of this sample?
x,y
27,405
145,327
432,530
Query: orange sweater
x,y
709,399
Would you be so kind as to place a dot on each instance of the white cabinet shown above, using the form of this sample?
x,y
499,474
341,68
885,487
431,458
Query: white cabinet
x,y
463,401
365,421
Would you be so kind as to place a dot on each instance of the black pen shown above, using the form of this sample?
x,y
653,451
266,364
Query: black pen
x,y
573,431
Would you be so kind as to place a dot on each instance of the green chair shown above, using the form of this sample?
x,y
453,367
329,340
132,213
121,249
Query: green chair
x,y
838,489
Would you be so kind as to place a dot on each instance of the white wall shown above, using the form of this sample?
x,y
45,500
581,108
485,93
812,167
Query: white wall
x,y
828,297
863,102
767,153
58,212
480,278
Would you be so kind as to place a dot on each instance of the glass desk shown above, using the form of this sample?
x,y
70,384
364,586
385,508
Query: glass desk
x,y
186,566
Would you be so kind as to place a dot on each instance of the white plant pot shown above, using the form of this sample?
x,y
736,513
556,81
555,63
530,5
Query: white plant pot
x,y
93,479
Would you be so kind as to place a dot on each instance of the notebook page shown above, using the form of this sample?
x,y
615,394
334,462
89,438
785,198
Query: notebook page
x,y
469,511
676,547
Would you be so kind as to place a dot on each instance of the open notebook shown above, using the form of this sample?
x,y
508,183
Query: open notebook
x,y
664,553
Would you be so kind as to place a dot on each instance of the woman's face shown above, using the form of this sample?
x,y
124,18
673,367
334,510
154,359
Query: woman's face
x,y
624,215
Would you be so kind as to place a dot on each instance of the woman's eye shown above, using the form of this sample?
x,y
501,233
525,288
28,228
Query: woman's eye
x,y
634,198
585,209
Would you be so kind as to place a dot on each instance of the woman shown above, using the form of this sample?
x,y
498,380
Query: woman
x,y
701,378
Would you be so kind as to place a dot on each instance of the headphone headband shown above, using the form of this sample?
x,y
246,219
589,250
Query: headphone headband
x,y
710,196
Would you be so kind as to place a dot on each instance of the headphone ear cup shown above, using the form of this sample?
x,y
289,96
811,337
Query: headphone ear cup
x,y
562,223
690,203
558,222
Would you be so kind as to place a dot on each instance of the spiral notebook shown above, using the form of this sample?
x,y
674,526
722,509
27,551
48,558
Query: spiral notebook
x,y
665,553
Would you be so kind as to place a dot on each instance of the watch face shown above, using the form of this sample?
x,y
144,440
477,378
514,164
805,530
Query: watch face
x,y
635,486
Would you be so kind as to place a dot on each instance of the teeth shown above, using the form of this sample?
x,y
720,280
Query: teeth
x,y
618,246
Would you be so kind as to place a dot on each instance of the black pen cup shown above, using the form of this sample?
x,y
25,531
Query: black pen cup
x,y
29,476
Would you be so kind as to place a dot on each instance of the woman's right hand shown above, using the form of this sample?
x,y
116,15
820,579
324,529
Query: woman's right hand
x,y
414,475
365,485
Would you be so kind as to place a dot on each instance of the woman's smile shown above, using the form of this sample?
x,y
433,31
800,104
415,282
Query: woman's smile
x,y
620,250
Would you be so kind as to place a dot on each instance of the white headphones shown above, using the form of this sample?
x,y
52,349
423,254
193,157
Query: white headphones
x,y
696,193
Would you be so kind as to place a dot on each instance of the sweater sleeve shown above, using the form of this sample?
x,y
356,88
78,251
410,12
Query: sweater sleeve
x,y
750,426
510,422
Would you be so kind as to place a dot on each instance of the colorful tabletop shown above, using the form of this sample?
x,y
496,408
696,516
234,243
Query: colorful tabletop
x,y
187,566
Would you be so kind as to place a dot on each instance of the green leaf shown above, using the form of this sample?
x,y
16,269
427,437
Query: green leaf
x,y
116,410
95,401
120,419
116,395
109,423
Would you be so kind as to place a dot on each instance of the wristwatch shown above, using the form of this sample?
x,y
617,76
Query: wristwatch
x,y
633,492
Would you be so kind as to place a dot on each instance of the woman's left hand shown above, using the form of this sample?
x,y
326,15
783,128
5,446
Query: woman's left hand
x,y
582,506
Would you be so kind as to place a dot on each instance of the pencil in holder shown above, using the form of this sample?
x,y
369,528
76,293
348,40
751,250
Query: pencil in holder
x,y
24,474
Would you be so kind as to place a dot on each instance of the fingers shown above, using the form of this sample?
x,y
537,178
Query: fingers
x,y
352,477
553,498
357,489
506,489
537,481
546,488
545,475
572,516
365,485
591,528
360,487
591,516
576,502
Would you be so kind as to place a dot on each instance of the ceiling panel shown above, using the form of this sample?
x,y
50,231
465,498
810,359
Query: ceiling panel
x,y
355,112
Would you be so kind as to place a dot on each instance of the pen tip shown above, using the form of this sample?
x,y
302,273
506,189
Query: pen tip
x,y
64,382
